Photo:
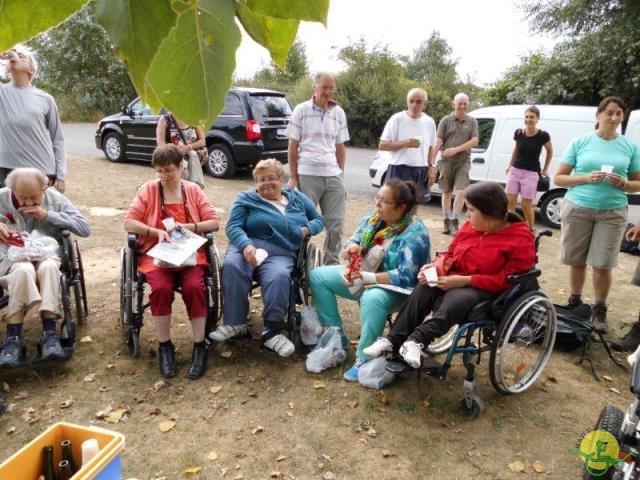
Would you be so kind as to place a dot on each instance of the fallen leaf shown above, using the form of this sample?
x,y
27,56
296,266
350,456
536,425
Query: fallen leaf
x,y
363,440
319,384
86,339
159,385
90,378
607,378
388,454
328,476
109,366
382,397
258,429
11,430
174,416
291,405
11,407
226,354
66,403
425,403
276,474
281,458
104,388
166,426
326,457
212,455
223,471
115,415
140,398
193,470
614,390
215,389
21,395
551,379
252,394
538,467
353,404
517,467
371,432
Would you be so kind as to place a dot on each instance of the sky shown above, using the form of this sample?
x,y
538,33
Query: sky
x,y
486,37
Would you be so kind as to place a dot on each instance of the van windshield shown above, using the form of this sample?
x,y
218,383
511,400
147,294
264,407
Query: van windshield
x,y
485,131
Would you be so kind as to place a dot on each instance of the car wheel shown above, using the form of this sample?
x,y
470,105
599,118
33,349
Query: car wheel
x,y
220,163
113,147
550,208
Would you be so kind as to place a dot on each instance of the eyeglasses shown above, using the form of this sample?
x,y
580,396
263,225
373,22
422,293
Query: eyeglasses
x,y
167,172
381,199
326,88
270,179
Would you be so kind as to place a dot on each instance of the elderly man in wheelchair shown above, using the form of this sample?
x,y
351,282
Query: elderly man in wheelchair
x,y
32,275
267,227
481,262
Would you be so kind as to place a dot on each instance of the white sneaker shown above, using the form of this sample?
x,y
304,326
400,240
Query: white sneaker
x,y
225,332
378,348
280,344
411,352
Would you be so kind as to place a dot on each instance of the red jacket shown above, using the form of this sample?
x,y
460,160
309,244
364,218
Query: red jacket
x,y
490,257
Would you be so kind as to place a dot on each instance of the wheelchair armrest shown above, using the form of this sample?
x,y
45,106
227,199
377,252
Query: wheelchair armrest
x,y
209,237
524,277
132,241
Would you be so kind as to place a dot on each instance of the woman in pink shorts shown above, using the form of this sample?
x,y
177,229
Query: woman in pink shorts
x,y
524,168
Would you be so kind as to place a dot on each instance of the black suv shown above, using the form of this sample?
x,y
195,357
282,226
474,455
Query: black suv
x,y
250,128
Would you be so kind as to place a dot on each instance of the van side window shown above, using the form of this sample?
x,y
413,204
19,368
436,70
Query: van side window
x,y
485,131
232,105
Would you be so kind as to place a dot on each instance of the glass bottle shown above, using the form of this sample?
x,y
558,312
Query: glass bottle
x,y
48,471
67,454
65,470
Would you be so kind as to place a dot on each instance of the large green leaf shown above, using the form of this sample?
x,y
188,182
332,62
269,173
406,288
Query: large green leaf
x,y
21,20
192,69
275,34
137,28
310,10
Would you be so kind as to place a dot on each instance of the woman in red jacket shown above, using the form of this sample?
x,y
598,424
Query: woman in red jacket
x,y
490,246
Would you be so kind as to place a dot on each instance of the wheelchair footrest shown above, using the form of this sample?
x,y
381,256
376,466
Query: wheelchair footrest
x,y
398,366
431,366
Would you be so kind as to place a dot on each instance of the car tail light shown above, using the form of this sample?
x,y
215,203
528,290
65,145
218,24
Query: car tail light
x,y
253,130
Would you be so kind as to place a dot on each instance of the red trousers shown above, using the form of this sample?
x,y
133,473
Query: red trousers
x,y
191,282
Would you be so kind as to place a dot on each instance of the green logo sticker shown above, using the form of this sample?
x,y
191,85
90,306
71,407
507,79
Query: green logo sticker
x,y
600,451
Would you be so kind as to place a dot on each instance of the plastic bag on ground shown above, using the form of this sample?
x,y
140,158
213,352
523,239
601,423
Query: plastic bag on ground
x,y
374,375
310,327
327,353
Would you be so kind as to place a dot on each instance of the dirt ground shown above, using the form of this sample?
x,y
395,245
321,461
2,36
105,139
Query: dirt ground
x,y
255,415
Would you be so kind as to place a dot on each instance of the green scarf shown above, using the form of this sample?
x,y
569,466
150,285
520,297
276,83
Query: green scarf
x,y
375,234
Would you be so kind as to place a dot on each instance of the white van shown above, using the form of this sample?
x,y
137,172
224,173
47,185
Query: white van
x,y
496,125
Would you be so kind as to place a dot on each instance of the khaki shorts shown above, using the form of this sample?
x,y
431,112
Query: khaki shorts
x,y
454,175
591,236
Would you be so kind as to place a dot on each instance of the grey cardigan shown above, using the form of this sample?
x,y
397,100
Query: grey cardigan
x,y
61,215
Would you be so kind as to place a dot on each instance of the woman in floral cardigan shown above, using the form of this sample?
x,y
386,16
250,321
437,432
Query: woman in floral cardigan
x,y
393,229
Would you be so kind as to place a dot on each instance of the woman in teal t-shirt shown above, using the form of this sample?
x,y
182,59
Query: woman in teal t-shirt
x,y
598,169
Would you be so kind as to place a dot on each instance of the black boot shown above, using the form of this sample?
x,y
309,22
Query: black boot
x,y
447,226
167,357
198,361
630,341
454,226
599,318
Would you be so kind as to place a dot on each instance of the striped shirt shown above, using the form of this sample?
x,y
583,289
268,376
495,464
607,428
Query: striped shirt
x,y
318,132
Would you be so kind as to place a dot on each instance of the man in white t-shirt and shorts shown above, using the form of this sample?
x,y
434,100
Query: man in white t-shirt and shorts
x,y
410,136
317,133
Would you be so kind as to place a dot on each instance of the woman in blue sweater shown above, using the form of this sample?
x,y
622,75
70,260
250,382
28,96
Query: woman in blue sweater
x,y
393,230
269,219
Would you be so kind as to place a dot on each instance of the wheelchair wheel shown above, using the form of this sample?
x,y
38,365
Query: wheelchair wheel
x,y
68,327
610,421
443,343
133,341
472,406
82,289
216,287
523,343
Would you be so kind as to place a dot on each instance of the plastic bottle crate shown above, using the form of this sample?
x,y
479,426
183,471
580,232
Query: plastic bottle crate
x,y
26,464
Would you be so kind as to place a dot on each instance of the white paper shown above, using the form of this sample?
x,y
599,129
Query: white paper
x,y
431,275
261,256
606,168
182,245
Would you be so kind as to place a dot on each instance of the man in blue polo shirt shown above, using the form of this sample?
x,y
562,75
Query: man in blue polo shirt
x,y
317,132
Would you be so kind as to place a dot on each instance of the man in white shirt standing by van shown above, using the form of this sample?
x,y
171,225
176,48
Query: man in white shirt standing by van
x,y
457,135
410,136
317,132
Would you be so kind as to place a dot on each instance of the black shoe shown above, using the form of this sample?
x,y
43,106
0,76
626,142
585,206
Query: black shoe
x,y
167,358
599,318
198,362
574,301
455,227
50,348
630,341
13,353
447,226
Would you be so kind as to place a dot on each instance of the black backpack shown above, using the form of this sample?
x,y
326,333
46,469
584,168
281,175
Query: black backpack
x,y
574,327
629,246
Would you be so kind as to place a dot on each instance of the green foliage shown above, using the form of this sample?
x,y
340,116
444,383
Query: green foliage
x,y
432,63
180,53
601,56
79,68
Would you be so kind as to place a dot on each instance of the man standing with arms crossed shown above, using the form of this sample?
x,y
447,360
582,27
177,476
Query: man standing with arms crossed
x,y
410,136
457,135
30,128
317,132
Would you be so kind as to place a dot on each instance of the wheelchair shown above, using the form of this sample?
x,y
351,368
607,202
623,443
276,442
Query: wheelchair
x,y
132,296
518,329
71,279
